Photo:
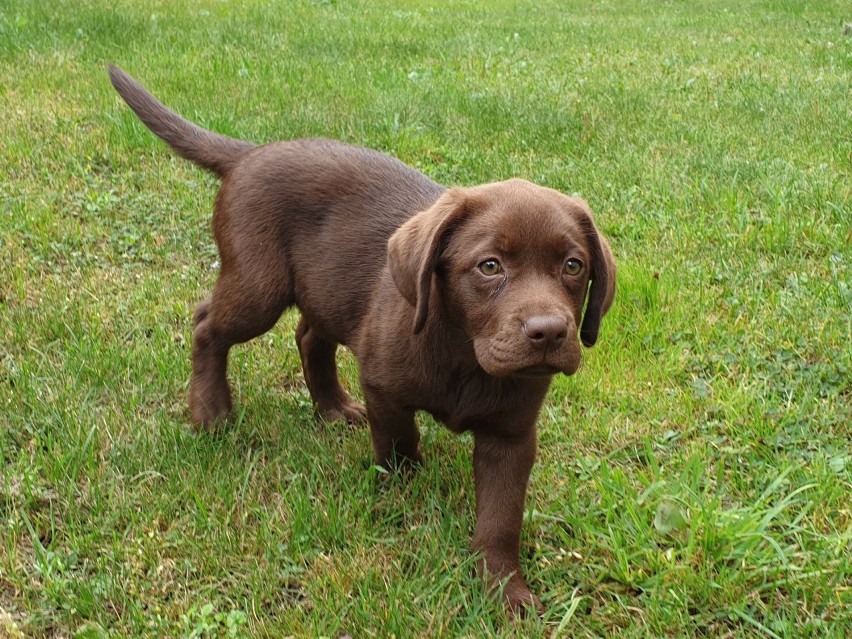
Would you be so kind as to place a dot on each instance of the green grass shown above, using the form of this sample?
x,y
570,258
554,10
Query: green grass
x,y
694,478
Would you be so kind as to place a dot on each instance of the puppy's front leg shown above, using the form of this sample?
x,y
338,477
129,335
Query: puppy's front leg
x,y
396,439
501,467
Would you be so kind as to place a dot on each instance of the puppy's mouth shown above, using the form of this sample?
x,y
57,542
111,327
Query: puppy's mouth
x,y
499,360
511,351
537,370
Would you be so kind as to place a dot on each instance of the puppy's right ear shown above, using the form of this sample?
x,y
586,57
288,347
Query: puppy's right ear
x,y
416,246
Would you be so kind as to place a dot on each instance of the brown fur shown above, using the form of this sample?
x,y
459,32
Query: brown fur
x,y
379,258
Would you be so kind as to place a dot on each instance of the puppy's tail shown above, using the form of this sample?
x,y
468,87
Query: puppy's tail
x,y
214,152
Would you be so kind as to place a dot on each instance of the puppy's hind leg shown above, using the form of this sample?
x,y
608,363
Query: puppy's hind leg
x,y
242,307
320,368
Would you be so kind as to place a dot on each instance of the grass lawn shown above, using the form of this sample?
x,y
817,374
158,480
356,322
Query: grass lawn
x,y
694,478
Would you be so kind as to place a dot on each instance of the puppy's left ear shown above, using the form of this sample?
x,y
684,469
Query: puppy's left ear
x,y
416,246
602,289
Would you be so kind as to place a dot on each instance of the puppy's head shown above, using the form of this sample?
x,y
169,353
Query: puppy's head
x,y
520,268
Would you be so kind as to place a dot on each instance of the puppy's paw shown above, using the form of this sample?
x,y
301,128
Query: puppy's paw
x,y
349,411
402,461
209,406
520,600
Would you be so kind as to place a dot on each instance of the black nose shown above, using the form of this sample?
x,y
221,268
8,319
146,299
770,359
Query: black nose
x,y
546,331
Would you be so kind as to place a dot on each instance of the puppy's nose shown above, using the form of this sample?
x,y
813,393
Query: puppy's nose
x,y
546,331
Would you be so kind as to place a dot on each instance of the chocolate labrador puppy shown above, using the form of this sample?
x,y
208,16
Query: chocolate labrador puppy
x,y
462,302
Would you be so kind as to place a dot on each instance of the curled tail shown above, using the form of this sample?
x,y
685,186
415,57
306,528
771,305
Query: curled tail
x,y
214,152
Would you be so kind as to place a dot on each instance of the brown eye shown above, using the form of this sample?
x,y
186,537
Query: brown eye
x,y
572,266
490,268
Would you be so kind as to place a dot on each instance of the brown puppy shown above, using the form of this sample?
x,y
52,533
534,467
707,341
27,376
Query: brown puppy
x,y
461,302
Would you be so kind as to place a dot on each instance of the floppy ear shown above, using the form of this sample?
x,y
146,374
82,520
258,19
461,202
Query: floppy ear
x,y
416,246
602,289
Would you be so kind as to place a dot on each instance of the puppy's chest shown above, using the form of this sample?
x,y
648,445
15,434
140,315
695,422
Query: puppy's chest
x,y
473,402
